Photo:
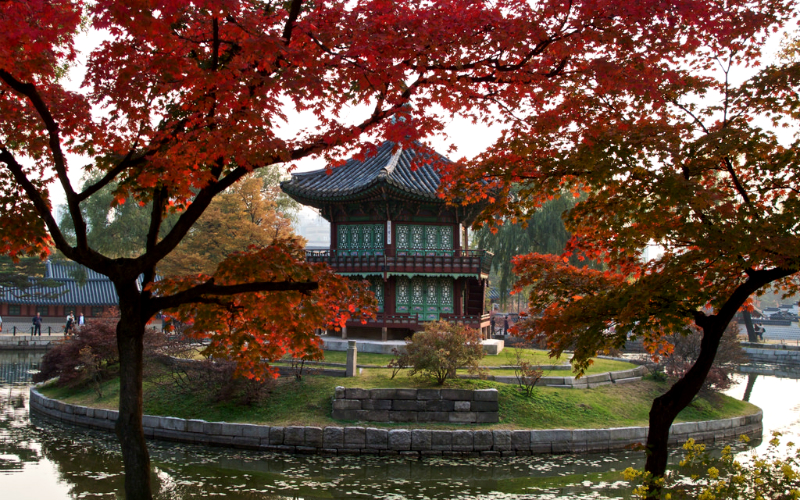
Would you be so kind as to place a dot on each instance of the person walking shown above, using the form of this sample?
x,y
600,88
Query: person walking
x,y
80,320
70,324
37,324
505,326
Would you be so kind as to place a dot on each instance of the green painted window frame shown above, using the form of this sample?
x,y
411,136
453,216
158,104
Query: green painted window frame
x,y
360,239
414,296
14,310
422,239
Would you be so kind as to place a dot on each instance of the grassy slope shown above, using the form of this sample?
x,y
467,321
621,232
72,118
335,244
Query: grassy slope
x,y
308,402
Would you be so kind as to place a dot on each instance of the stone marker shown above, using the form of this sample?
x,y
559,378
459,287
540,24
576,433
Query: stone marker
x,y
352,359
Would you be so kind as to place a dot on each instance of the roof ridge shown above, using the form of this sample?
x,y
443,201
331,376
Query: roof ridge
x,y
389,168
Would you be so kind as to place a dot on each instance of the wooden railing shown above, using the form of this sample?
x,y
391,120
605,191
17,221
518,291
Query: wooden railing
x,y
415,321
455,262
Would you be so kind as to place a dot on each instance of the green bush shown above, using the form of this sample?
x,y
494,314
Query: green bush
x,y
443,347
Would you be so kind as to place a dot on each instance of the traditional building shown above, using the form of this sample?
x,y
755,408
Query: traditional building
x,y
67,287
389,226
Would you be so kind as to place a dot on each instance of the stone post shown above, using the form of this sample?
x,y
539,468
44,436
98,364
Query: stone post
x,y
352,359
344,332
384,334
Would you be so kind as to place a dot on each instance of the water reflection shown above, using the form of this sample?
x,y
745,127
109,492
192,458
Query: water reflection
x,y
41,459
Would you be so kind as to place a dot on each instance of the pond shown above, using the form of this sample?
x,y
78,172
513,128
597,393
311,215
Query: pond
x,y
41,459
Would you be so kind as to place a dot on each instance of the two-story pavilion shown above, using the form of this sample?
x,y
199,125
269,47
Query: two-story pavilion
x,y
389,226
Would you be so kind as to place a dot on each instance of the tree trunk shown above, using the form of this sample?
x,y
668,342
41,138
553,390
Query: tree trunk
x,y
666,407
748,324
751,381
130,342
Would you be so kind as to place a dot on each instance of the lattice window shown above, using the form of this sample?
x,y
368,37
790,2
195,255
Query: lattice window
x,y
376,286
402,237
417,291
416,238
343,240
431,238
366,237
431,297
377,237
446,295
447,237
402,290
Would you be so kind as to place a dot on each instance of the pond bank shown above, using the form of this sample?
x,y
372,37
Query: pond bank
x,y
360,440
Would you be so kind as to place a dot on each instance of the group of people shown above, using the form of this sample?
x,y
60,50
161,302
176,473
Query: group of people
x,y
69,326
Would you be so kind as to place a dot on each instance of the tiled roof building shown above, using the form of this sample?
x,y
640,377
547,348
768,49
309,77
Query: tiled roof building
x,y
389,226
65,287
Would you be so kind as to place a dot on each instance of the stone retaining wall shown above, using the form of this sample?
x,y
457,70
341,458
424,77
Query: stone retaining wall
x,y
356,440
777,355
570,382
456,406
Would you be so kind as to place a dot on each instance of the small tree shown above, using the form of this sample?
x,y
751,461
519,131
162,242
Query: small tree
x,y
527,373
442,348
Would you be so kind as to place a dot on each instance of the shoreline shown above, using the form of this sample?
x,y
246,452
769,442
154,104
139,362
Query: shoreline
x,y
364,440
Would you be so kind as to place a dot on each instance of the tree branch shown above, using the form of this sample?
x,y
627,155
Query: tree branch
x,y
200,293
294,12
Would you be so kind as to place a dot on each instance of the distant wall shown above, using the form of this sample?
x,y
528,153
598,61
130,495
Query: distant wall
x,y
356,440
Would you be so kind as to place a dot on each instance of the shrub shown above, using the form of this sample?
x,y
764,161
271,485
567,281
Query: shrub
x,y
527,373
443,347
91,354
399,362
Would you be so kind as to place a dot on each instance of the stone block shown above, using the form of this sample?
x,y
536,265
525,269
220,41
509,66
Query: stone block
x,y
439,405
276,436
382,393
625,435
347,404
339,392
683,428
399,439
294,435
402,416
376,415
231,429
405,394
112,415
98,413
462,440
408,405
376,404
212,428
442,440
551,436
196,425
420,439
349,414
433,416
354,393
466,417
247,442
521,440
151,421
354,437
482,440
487,417
457,394
483,406
313,437
462,405
173,424
485,395
502,440
429,394
377,439
333,438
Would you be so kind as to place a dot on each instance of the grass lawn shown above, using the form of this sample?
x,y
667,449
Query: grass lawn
x,y
505,358
308,402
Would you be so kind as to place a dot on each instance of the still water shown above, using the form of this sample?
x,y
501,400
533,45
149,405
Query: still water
x,y
43,460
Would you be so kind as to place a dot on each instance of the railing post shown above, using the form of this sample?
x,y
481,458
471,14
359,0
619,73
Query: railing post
x,y
49,330
15,331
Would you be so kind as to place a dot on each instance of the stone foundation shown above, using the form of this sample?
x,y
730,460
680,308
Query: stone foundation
x,y
455,406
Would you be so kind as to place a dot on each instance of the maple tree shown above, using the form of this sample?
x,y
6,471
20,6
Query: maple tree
x,y
687,158
183,100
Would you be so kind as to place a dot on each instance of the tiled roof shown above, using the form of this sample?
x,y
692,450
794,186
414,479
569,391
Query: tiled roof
x,y
76,285
385,167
